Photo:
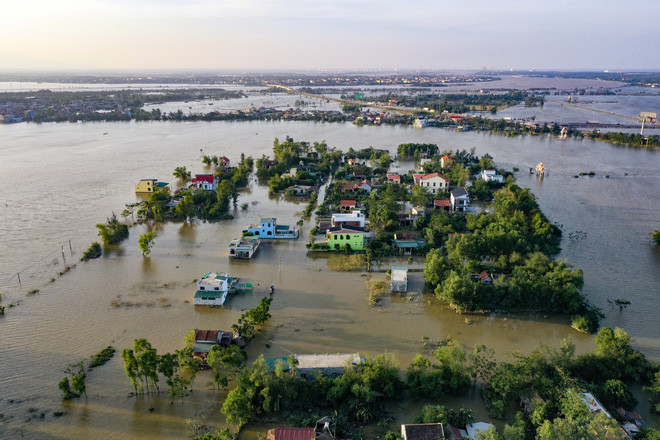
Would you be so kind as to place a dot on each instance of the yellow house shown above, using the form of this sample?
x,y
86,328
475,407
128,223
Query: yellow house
x,y
150,185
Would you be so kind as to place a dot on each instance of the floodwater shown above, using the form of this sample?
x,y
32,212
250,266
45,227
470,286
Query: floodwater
x,y
59,180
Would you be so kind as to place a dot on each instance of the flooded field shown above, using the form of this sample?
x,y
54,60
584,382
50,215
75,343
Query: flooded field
x,y
59,180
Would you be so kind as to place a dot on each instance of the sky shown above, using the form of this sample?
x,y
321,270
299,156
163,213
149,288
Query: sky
x,y
335,34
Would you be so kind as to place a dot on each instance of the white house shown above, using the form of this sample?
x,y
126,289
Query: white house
x,y
433,182
355,218
460,199
491,176
212,289
399,279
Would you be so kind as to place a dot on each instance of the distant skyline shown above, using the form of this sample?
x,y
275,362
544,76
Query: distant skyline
x,y
340,34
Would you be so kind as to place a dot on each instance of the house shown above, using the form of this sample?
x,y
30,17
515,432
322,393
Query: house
x,y
150,185
355,218
365,185
205,340
291,434
418,210
473,429
330,365
460,199
491,176
224,163
212,289
596,407
443,205
355,162
347,205
423,162
224,339
433,182
420,123
300,190
341,237
446,161
291,173
205,182
268,228
393,178
399,279
486,278
244,247
407,243
423,431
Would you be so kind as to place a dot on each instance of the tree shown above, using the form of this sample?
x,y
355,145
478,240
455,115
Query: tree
x,y
437,267
78,384
131,368
146,241
182,173
225,362
224,434
146,358
655,235
420,196
112,232
185,208
65,387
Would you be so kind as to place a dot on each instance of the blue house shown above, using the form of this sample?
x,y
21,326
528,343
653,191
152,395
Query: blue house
x,y
268,228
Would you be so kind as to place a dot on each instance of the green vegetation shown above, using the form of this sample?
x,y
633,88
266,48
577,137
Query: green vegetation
x,y
357,395
102,357
655,235
94,251
112,232
73,385
512,246
182,173
253,319
414,151
445,415
146,242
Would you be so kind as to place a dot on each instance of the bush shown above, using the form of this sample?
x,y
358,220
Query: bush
x,y
94,251
112,232
102,356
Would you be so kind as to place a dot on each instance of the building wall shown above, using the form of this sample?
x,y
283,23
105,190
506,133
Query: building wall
x,y
356,241
145,186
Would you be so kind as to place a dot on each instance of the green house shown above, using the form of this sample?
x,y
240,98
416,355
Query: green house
x,y
342,237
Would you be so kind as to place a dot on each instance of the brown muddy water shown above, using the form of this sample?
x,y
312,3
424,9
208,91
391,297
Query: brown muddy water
x,y
59,180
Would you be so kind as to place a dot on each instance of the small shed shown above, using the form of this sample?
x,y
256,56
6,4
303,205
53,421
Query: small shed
x,y
399,279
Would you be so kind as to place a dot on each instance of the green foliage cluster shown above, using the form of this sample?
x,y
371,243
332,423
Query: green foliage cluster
x,y
73,385
655,235
143,366
112,231
449,375
94,251
356,395
413,151
545,374
146,242
515,242
102,357
250,321
445,415
182,173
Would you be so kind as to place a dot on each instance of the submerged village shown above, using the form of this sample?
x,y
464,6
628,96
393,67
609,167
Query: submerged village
x,y
455,223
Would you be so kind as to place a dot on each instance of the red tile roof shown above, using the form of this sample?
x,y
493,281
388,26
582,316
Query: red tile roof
x,y
348,202
294,434
431,175
206,335
441,203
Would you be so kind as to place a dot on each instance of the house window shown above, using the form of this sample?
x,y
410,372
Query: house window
x,y
256,233
217,288
201,287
